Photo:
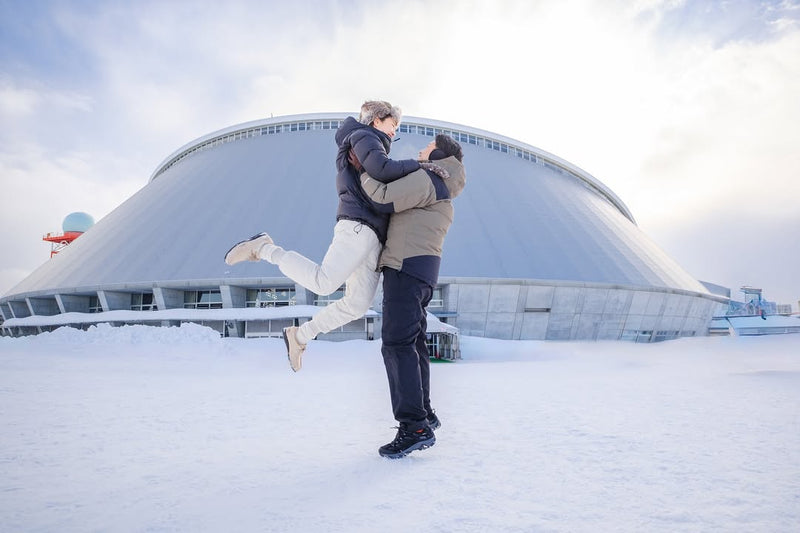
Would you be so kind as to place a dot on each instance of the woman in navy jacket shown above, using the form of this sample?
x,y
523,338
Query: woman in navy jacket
x,y
359,234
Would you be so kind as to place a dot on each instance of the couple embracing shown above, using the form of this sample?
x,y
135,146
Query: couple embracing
x,y
392,218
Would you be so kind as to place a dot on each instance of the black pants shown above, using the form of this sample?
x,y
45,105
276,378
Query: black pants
x,y
405,353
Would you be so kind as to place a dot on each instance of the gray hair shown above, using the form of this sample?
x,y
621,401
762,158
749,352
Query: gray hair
x,y
378,109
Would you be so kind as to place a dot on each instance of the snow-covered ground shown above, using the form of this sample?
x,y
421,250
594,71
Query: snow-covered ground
x,y
174,429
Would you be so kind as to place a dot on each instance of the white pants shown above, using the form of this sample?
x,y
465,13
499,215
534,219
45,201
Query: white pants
x,y
352,258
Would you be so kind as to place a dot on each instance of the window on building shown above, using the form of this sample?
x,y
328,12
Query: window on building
x,y
143,301
94,305
202,300
271,297
267,328
437,300
322,301
661,336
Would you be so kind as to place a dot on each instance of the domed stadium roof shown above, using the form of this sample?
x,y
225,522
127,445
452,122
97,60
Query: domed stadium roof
x,y
525,214
539,249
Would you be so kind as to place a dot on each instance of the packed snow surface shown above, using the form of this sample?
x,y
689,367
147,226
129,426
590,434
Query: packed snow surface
x,y
174,429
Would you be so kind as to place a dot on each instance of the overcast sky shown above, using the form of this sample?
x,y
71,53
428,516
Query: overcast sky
x,y
689,111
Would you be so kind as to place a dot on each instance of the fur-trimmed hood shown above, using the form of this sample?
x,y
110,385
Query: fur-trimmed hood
x,y
452,172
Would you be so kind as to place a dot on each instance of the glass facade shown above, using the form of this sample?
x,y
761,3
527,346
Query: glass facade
x,y
143,301
202,300
437,300
271,297
322,301
267,328
94,305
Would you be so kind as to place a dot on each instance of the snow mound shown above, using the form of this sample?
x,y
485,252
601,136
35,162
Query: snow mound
x,y
188,333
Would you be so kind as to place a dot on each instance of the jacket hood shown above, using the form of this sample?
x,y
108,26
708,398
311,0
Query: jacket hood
x,y
346,129
351,131
458,176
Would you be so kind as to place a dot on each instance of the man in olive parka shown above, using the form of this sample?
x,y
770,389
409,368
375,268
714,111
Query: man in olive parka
x,y
422,211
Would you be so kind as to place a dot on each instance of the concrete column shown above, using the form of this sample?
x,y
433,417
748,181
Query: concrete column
x,y
302,296
233,297
168,298
519,314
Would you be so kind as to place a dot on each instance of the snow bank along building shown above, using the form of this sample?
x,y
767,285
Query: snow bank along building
x,y
539,249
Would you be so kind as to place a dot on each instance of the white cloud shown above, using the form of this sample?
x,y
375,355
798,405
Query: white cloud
x,y
20,101
17,101
728,102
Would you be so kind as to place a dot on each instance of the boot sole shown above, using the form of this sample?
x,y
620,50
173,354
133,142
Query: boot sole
x,y
418,446
254,237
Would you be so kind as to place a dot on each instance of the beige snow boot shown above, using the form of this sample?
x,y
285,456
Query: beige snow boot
x,y
293,347
247,250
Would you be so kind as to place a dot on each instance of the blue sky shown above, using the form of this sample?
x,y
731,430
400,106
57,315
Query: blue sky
x,y
687,110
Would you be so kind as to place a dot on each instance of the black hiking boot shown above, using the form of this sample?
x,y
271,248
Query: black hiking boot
x,y
433,421
407,441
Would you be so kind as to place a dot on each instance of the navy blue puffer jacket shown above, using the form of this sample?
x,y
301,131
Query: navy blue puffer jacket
x,y
371,146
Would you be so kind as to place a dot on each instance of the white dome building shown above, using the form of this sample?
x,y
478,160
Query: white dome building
x,y
539,249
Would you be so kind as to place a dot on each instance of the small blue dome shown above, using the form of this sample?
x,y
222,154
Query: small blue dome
x,y
78,221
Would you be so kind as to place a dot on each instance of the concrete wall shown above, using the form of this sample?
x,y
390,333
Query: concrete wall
x,y
507,309
496,308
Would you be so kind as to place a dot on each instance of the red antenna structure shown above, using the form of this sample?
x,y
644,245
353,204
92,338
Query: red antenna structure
x,y
74,225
